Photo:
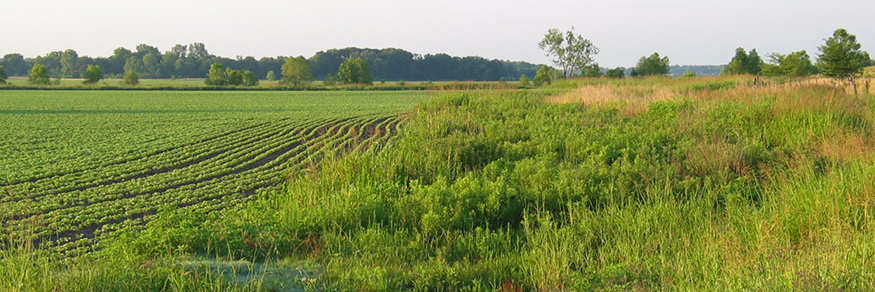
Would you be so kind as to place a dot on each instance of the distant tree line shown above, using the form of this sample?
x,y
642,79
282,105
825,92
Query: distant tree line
x,y
194,61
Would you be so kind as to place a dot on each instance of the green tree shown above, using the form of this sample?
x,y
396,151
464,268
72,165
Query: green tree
x,y
217,75
618,73
570,52
543,76
744,63
3,75
524,81
39,75
593,71
70,64
354,71
92,74
296,71
271,76
796,64
233,77
249,78
841,57
653,65
131,78
330,80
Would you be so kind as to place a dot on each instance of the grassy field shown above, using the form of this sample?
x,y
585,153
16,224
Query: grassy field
x,y
78,165
643,184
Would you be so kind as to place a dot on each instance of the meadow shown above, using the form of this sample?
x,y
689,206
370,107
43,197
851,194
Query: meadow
x,y
593,184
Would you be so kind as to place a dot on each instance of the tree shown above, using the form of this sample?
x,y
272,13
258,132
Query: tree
x,y
296,71
618,73
131,78
271,76
93,74
688,74
354,71
841,57
653,65
543,76
217,75
330,80
249,78
744,63
70,64
15,64
524,81
796,64
571,52
3,75
233,77
593,71
39,75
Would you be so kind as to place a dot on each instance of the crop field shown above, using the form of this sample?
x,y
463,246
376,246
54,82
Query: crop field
x,y
78,165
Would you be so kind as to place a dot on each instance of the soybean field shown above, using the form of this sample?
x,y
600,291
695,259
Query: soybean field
x,y
78,165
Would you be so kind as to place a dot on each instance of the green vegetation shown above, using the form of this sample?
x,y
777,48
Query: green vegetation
x,y
131,78
544,76
354,71
796,64
744,63
92,75
524,81
124,156
570,52
3,76
618,73
841,56
296,71
653,184
653,65
39,75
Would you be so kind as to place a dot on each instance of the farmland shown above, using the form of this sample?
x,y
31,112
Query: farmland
x,y
587,184
77,165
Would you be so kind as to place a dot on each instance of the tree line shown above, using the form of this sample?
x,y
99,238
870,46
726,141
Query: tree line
x,y
194,61
840,57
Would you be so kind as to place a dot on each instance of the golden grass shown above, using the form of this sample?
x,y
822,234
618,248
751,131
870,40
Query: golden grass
x,y
631,100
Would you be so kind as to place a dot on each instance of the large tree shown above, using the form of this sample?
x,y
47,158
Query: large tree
x,y
217,76
570,51
841,56
296,71
15,64
796,64
653,65
354,71
39,75
92,75
744,63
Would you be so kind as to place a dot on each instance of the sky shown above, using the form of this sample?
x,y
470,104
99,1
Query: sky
x,y
689,32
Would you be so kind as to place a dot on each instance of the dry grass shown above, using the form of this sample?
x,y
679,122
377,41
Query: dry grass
x,y
631,100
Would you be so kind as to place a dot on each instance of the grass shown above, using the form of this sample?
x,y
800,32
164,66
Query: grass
x,y
640,184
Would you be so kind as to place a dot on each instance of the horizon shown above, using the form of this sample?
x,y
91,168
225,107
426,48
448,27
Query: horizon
x,y
688,32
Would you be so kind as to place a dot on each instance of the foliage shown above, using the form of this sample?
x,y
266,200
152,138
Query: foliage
x,y
249,78
218,76
796,64
571,52
296,71
618,73
593,71
524,81
131,78
544,76
271,76
653,65
841,56
354,71
92,75
744,63
3,75
689,74
39,75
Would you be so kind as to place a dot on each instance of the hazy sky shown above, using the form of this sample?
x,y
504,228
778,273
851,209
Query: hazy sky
x,y
687,31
